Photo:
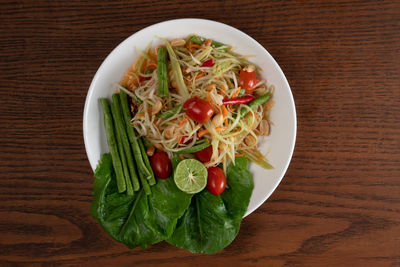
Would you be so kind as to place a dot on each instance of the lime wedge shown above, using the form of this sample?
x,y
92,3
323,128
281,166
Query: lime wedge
x,y
190,176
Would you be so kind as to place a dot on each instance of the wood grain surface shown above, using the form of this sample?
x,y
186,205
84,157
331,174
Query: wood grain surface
x,y
339,202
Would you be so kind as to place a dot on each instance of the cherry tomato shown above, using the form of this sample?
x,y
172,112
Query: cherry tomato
x,y
248,81
216,180
204,155
198,109
161,165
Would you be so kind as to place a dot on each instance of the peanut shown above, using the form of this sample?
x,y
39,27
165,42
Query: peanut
x,y
218,120
178,42
250,140
157,107
150,151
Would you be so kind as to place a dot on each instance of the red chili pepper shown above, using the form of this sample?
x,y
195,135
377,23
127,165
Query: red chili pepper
x,y
238,100
208,63
142,79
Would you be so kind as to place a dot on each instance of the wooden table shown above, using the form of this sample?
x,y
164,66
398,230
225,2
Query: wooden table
x,y
339,202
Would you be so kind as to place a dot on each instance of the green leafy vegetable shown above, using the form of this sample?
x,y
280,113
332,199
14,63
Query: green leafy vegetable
x,y
212,222
137,220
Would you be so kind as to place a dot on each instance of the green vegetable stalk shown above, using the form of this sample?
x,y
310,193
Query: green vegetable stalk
x,y
142,168
169,113
176,68
151,179
255,104
112,144
162,72
200,40
200,145
123,144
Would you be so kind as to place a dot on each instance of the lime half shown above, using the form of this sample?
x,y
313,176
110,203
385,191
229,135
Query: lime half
x,y
190,176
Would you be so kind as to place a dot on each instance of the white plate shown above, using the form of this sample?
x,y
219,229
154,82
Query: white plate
x,y
279,145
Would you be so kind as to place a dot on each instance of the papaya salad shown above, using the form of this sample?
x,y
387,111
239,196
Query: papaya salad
x,y
205,101
190,112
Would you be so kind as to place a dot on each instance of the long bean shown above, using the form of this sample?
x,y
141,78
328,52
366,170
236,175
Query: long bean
x,y
122,150
145,184
169,113
255,104
132,137
125,142
162,72
152,180
197,147
200,40
112,144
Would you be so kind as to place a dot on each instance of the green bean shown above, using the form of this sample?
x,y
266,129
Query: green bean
x,y
152,180
146,142
255,104
133,140
162,72
197,147
169,113
241,92
122,150
200,40
123,143
145,184
136,99
112,145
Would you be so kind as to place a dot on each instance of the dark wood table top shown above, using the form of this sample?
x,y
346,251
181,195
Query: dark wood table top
x,y
339,202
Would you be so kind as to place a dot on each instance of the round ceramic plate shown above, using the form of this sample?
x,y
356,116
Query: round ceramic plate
x,y
278,145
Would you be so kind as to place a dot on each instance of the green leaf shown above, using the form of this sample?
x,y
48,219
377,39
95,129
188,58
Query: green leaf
x,y
212,222
137,220
240,186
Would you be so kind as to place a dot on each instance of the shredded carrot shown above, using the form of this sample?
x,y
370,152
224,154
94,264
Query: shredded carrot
x,y
220,129
237,132
190,46
195,46
169,133
202,74
239,155
188,81
209,99
180,140
224,111
181,157
151,65
226,122
183,121
230,108
140,114
202,132
235,94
